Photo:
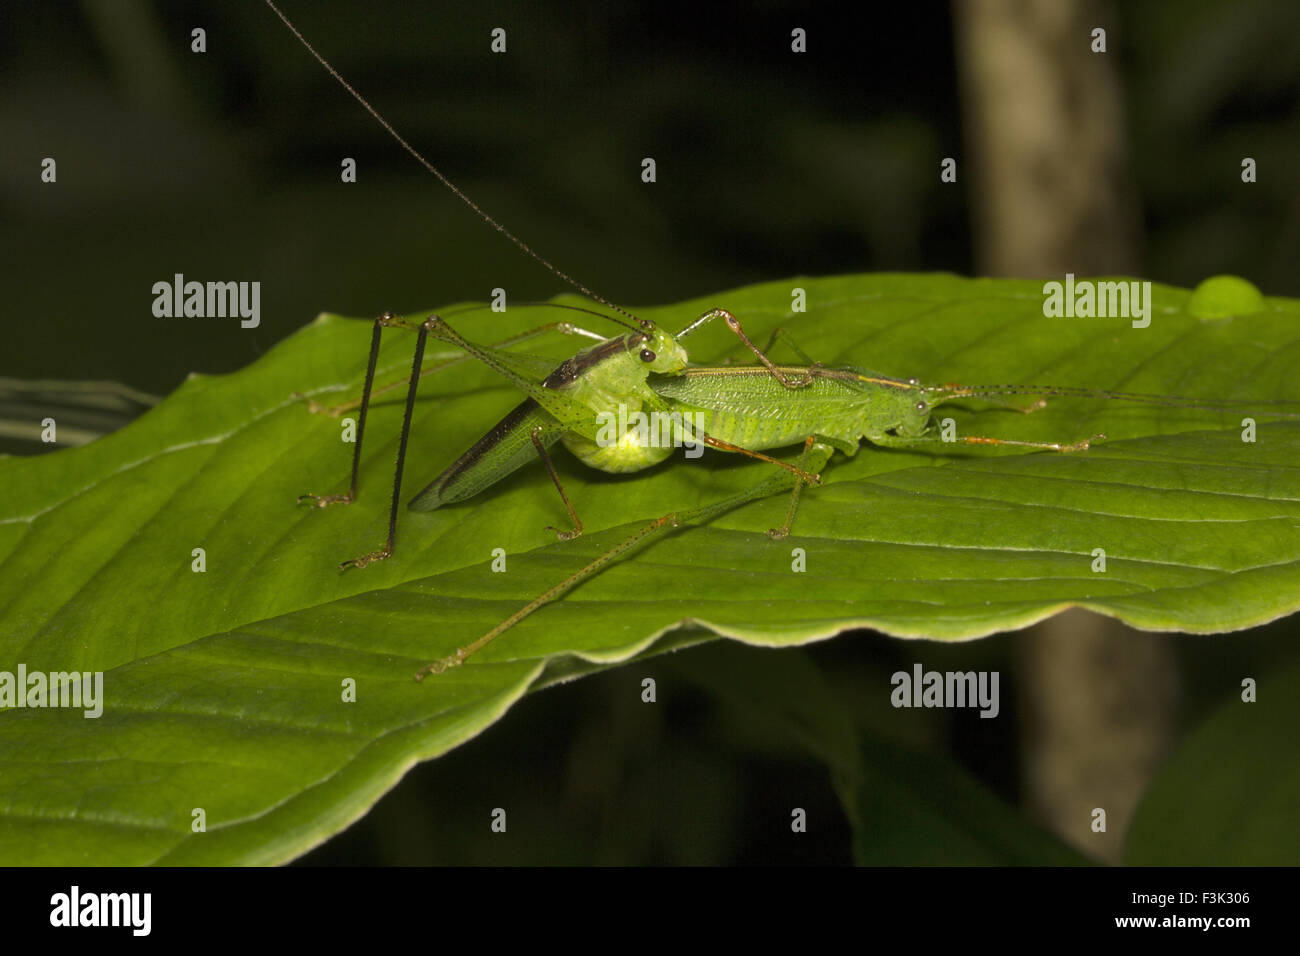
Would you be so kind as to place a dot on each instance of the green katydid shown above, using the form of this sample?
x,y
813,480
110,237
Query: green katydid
x,y
741,409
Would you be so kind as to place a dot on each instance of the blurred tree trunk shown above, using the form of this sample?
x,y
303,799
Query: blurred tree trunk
x,y
1050,192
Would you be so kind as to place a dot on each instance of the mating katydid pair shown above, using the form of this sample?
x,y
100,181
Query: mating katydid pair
x,y
740,409
746,410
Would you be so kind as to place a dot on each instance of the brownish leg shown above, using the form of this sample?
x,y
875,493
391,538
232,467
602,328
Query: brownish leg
x,y
546,460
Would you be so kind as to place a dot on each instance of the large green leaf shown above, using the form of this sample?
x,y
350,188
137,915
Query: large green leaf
x,y
224,688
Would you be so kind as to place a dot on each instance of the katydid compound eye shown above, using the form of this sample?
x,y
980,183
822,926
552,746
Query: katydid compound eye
x,y
647,356
922,407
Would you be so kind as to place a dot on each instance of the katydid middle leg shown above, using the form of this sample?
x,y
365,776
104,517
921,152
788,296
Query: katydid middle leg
x,y
811,448
535,436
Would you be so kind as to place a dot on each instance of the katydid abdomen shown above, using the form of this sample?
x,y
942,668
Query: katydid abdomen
x,y
627,451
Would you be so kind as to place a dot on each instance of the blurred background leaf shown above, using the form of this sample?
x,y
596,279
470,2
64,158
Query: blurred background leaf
x,y
226,165
1228,794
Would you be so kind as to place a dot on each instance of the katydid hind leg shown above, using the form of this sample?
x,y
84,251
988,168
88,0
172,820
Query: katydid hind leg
x,y
387,320
554,401
815,455
562,327
387,550
324,501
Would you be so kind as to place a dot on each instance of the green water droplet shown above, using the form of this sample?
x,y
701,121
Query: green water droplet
x,y
1221,297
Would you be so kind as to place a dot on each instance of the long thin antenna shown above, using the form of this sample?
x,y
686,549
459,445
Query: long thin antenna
x,y
452,186
949,392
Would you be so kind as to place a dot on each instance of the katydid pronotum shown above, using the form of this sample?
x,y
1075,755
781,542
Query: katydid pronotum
x,y
740,409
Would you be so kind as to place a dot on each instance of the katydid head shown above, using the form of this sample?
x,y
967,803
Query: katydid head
x,y
897,407
656,350
914,405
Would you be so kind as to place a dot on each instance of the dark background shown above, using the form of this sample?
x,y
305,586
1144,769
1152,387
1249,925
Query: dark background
x,y
225,165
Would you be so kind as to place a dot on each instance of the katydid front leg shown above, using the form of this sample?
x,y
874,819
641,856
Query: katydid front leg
x,y
734,325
